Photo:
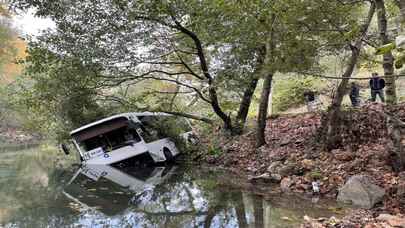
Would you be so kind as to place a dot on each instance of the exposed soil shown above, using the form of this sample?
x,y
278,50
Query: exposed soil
x,y
294,151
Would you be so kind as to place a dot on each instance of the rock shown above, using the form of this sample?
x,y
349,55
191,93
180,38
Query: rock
x,y
286,170
264,177
285,142
283,170
361,191
343,156
392,220
289,169
311,223
275,177
307,164
251,169
274,167
285,184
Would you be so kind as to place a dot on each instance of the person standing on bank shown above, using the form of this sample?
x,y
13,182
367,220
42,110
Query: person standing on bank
x,y
377,85
355,94
309,97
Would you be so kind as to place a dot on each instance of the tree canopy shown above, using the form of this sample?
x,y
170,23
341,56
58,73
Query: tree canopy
x,y
184,55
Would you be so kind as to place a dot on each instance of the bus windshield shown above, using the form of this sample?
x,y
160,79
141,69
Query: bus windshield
x,y
108,135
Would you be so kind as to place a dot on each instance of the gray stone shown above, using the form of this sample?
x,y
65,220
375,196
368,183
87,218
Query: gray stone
x,y
361,191
264,177
274,167
285,184
285,142
288,170
275,177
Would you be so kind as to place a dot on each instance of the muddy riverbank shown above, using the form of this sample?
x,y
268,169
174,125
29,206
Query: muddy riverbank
x,y
295,160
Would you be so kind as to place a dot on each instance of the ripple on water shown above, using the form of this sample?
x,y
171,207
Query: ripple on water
x,y
176,196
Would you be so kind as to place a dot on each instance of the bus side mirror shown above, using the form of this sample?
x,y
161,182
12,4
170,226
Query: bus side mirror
x,y
64,148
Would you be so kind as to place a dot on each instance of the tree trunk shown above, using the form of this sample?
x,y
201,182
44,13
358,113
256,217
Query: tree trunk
x,y
396,128
270,106
401,5
268,71
258,211
249,91
263,107
214,101
333,120
245,105
334,114
267,219
217,109
240,212
388,58
249,205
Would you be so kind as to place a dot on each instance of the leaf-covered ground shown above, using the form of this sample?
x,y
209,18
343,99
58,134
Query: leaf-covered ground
x,y
293,149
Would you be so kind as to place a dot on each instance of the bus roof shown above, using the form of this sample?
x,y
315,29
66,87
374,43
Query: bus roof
x,y
125,115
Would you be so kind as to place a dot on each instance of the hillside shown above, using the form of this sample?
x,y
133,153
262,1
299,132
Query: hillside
x,y
294,155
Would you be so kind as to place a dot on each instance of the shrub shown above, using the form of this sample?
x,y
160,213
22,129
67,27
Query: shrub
x,y
289,92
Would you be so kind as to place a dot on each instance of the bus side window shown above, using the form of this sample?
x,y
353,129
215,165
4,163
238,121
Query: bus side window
x,y
134,135
149,134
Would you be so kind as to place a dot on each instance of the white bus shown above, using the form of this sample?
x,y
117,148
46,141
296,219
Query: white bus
x,y
134,183
128,135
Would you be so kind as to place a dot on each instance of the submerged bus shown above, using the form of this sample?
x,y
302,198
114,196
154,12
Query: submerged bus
x,y
127,135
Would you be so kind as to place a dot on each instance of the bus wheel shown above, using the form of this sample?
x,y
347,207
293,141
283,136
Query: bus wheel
x,y
168,155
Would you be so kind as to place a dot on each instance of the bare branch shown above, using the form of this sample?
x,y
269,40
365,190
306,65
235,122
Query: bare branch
x,y
190,116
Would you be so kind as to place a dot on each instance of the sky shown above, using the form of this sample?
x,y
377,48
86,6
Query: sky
x,y
28,24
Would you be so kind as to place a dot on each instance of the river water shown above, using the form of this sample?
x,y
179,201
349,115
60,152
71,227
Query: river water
x,y
39,187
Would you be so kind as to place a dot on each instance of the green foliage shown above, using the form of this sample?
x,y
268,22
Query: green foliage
x,y
315,175
174,127
36,178
128,43
289,92
400,61
385,49
56,94
214,150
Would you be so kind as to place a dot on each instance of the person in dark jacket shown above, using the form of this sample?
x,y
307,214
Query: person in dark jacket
x,y
355,94
309,97
377,85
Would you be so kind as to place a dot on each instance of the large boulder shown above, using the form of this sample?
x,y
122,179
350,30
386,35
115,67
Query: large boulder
x,y
361,191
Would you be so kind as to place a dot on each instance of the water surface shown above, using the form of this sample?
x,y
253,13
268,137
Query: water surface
x,y
40,188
